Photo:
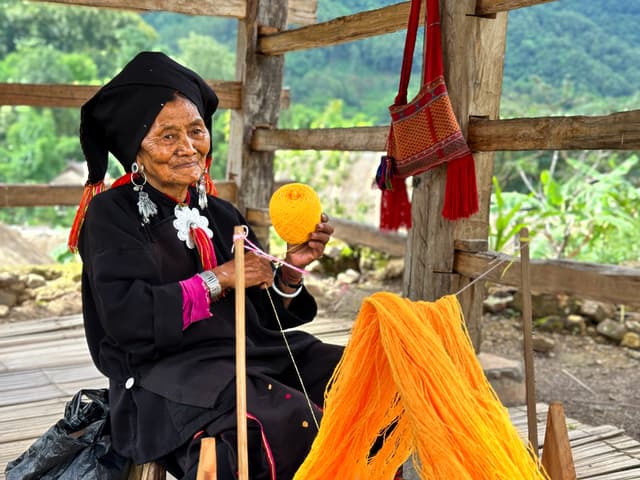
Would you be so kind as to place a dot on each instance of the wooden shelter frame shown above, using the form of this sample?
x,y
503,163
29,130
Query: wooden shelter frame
x,y
440,256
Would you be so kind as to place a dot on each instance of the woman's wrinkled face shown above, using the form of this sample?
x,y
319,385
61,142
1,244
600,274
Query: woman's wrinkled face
x,y
174,150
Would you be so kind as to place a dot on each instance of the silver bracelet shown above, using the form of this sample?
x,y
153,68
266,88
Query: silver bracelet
x,y
212,283
280,292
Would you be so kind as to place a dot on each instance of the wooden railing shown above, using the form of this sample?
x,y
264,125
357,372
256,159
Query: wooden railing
x,y
617,131
620,131
300,12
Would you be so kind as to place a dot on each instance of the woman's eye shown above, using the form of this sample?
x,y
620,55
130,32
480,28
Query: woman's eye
x,y
168,136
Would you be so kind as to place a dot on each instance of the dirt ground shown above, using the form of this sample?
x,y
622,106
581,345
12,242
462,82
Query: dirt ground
x,y
597,382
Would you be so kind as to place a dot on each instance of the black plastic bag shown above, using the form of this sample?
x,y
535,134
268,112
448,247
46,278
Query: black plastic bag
x,y
77,447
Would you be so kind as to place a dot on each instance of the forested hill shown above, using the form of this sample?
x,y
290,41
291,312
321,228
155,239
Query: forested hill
x,y
595,44
556,53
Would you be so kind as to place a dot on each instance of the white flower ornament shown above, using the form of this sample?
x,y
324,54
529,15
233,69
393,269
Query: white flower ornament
x,y
187,218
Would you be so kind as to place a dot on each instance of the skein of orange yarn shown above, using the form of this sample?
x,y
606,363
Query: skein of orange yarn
x,y
409,375
295,210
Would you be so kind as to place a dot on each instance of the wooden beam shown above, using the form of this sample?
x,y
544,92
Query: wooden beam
x,y
353,233
339,30
301,12
491,7
74,96
370,139
350,232
38,195
212,8
604,283
617,131
40,95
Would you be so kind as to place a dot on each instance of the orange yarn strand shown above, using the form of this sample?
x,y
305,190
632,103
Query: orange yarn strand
x,y
412,365
90,190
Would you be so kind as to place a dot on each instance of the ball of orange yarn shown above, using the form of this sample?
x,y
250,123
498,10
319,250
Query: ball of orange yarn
x,y
295,211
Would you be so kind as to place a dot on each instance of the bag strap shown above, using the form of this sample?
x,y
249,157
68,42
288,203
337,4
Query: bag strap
x,y
433,67
409,48
432,51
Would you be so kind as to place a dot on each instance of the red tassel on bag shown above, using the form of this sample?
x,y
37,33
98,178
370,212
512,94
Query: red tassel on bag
x,y
461,191
395,207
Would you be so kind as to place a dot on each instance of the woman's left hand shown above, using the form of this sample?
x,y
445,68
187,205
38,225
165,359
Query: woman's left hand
x,y
303,254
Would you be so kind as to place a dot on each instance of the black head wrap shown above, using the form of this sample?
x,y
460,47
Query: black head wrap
x,y
120,114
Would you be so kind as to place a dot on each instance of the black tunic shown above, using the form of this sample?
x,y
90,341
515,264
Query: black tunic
x,y
165,383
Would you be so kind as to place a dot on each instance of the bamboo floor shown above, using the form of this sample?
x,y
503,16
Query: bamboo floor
x,y
44,362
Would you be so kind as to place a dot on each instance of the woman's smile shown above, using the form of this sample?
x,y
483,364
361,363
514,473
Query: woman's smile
x,y
174,150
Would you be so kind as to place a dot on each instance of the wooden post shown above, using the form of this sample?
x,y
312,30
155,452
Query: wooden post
x,y
527,326
557,458
261,78
241,367
208,463
473,53
148,471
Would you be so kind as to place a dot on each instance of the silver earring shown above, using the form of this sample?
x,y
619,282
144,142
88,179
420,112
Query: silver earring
x,y
203,201
146,207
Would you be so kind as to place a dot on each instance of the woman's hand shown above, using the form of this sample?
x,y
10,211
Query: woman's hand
x,y
303,254
257,271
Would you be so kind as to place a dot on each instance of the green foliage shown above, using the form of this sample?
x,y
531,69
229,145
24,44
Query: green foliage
x,y
108,37
593,214
507,217
203,54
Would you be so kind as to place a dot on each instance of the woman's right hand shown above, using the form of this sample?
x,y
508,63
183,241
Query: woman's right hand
x,y
257,271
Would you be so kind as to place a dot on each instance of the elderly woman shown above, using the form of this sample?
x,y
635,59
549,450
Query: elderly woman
x,y
157,267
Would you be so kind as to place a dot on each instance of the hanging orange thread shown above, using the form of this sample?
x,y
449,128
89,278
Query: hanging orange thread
x,y
409,376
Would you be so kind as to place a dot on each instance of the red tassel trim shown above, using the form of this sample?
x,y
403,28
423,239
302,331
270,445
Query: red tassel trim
x,y
461,191
90,191
211,188
205,248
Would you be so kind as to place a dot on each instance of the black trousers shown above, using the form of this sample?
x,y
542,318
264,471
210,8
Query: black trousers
x,y
280,429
